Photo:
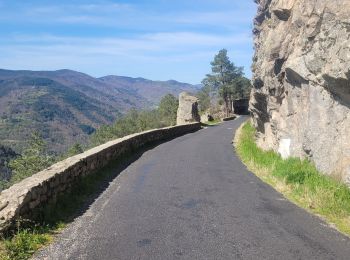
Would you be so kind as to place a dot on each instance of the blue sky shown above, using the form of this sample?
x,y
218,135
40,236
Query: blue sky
x,y
154,39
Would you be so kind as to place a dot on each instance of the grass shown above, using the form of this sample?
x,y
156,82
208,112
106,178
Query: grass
x,y
212,123
30,236
298,180
25,243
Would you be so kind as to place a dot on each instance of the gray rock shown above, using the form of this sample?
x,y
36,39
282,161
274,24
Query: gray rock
x,y
301,76
188,109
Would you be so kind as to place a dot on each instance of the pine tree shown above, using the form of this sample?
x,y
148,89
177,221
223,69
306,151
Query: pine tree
x,y
224,78
74,149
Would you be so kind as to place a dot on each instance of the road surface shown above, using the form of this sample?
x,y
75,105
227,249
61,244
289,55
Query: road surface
x,y
192,198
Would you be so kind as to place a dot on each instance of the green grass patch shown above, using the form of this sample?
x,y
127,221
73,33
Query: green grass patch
x,y
25,243
297,179
22,243
212,123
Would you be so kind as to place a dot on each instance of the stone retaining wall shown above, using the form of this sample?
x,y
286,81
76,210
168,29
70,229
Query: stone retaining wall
x,y
20,200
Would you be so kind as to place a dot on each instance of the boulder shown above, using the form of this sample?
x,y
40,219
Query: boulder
x,y
188,109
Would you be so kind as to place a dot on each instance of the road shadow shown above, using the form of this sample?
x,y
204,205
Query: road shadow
x,y
77,200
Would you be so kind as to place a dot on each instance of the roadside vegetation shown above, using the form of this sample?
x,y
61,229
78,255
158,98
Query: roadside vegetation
x,y
33,159
36,157
212,123
137,121
22,242
297,179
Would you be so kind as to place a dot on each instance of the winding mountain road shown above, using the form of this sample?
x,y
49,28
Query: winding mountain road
x,y
192,198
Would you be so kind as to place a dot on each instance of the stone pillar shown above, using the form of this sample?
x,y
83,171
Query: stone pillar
x,y
188,109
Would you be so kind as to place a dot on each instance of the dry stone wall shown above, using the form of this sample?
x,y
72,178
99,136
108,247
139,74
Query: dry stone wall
x,y
21,199
301,76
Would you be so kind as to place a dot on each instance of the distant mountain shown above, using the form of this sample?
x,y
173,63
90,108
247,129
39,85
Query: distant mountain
x,y
152,91
66,106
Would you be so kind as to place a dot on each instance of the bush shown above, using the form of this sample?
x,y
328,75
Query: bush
x,y
33,159
137,121
24,244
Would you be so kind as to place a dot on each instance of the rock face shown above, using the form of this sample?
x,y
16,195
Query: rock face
x,y
188,109
301,97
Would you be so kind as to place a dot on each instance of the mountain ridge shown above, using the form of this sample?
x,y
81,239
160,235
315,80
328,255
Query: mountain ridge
x,y
65,106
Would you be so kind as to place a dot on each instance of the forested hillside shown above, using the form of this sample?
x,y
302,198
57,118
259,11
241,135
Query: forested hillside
x,y
66,106
36,155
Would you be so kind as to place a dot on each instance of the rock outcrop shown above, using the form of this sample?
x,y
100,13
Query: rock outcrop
x,y
301,97
188,109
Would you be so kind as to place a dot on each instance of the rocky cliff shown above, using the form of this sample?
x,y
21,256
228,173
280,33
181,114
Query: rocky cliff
x,y
301,76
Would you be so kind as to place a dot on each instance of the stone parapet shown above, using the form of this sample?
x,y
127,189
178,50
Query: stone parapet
x,y
21,199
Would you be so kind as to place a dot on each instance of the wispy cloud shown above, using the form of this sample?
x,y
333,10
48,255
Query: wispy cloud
x,y
113,14
153,43
218,18
125,37
99,13
95,8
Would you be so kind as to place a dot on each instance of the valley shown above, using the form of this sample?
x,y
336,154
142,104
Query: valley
x,y
66,106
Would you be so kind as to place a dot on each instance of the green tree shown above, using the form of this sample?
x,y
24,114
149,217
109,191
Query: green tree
x,y
204,97
103,134
137,121
148,119
33,159
223,77
168,109
74,149
241,88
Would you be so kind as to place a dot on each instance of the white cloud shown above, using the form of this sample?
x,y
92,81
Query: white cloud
x,y
222,18
62,9
105,7
125,15
121,36
157,42
99,54
103,14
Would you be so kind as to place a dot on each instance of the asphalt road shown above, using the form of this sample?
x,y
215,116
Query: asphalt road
x,y
192,198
